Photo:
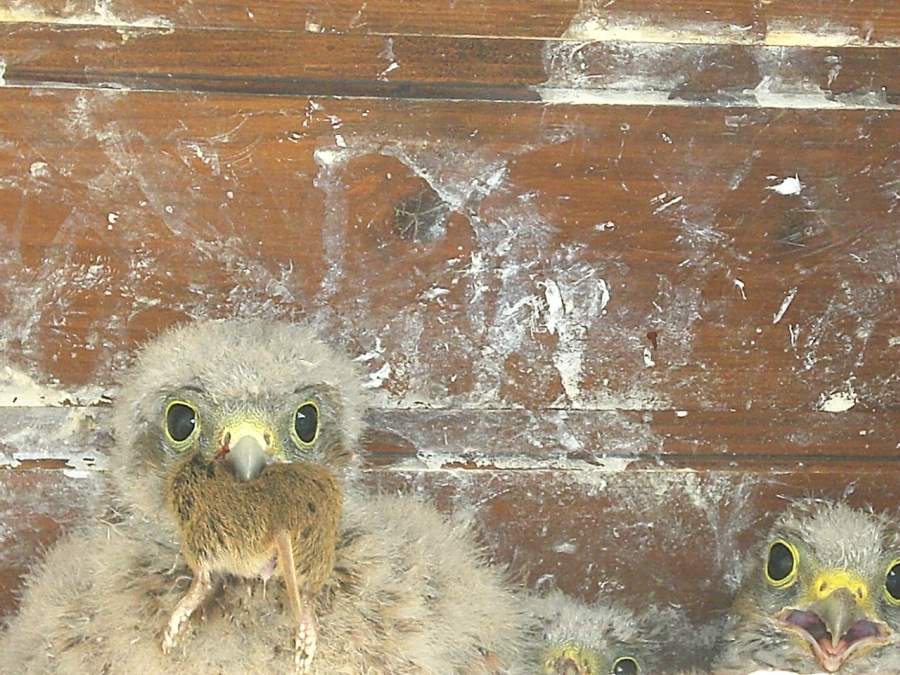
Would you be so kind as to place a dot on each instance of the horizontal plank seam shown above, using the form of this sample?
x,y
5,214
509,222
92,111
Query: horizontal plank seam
x,y
578,97
674,36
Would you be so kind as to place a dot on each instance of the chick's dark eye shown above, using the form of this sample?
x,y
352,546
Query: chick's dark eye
x,y
306,422
625,666
181,420
892,582
781,562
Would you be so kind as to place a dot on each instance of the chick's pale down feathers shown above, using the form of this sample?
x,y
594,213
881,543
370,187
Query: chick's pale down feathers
x,y
411,594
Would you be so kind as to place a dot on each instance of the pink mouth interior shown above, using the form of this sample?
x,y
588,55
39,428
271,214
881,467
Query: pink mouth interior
x,y
815,628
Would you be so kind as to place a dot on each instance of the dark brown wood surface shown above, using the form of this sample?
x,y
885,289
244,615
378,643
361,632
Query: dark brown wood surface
x,y
266,62
596,257
621,276
777,21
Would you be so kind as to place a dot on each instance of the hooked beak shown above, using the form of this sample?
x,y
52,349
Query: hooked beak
x,y
836,625
246,449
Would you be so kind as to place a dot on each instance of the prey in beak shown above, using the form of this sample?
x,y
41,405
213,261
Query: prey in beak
x,y
837,622
246,449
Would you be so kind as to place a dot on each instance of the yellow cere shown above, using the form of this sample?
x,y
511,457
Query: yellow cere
x,y
242,426
828,581
585,659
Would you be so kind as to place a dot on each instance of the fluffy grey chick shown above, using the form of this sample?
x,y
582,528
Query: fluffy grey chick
x,y
407,591
602,638
820,593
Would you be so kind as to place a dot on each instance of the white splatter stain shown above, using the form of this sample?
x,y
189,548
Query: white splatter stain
x,y
788,299
20,390
377,379
388,54
566,548
838,401
314,27
791,185
662,207
102,15
39,170
596,23
570,311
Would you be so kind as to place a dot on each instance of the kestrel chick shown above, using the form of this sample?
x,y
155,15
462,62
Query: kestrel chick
x,y
240,456
233,441
822,592
598,639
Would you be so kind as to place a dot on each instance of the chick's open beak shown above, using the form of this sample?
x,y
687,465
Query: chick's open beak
x,y
246,449
836,624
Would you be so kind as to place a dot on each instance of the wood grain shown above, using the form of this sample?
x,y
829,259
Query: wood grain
x,y
590,257
324,64
779,21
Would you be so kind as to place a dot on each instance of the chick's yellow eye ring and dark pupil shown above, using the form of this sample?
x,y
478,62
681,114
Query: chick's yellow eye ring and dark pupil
x,y
306,423
181,420
892,582
625,666
782,563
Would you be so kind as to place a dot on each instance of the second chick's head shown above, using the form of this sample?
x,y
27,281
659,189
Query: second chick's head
x,y
245,393
598,639
824,589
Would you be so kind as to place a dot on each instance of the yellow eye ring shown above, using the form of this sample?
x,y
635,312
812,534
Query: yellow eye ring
x,y
782,564
626,665
305,425
892,583
181,423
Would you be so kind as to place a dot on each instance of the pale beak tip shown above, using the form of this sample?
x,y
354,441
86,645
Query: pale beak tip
x,y
246,458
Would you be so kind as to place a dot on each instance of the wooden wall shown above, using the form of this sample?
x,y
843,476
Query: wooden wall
x,y
623,274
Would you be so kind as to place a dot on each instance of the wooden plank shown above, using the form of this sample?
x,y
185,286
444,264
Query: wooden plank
x,y
268,62
574,440
79,438
828,22
670,537
479,255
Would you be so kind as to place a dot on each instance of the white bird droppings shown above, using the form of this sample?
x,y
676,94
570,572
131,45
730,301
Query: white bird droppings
x,y
789,186
788,299
839,401
377,378
39,170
